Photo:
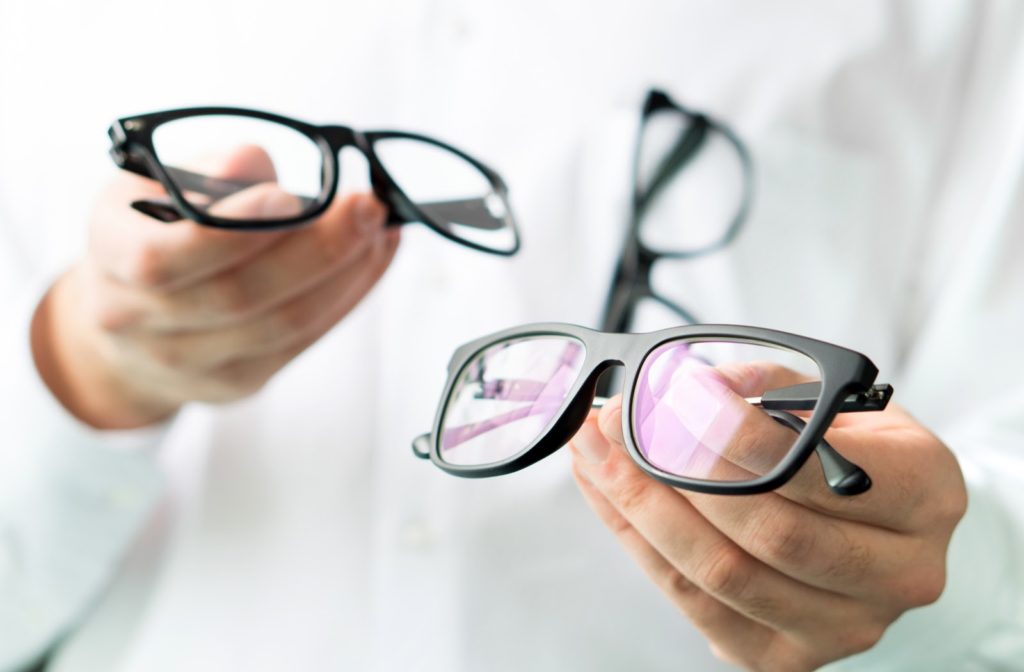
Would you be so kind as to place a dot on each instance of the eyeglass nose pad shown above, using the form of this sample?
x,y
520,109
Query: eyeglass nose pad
x,y
421,446
844,478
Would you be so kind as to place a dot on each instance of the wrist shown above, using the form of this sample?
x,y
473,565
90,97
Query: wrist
x,y
71,363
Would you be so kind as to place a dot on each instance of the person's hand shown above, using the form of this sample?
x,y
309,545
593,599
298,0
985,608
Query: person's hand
x,y
796,578
157,315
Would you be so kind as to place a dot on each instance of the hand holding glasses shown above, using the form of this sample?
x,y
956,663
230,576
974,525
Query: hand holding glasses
x,y
420,179
712,408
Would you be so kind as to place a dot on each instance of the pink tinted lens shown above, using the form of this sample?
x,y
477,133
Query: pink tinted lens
x,y
694,411
507,396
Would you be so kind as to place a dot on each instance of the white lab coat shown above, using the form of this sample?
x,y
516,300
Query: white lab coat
x,y
295,530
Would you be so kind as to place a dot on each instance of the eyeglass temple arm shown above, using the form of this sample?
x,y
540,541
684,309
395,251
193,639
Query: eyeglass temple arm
x,y
843,477
162,208
802,397
471,212
214,187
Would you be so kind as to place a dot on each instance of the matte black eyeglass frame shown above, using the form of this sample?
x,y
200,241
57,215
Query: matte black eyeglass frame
x,y
133,150
631,281
847,385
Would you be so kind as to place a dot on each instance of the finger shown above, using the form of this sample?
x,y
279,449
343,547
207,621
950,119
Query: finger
x,y
833,554
695,422
244,162
143,252
290,268
907,465
280,329
736,637
703,428
696,548
801,542
896,451
245,375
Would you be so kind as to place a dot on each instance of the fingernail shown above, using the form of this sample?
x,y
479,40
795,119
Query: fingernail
x,y
369,214
591,444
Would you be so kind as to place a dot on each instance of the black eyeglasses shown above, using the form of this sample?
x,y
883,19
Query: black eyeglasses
x,y
712,408
420,179
675,142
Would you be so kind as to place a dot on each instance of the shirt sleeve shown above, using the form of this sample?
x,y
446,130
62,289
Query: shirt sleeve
x,y
967,376
71,501
964,379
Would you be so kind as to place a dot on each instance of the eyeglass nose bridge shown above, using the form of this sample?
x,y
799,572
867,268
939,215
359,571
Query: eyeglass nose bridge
x,y
340,137
400,210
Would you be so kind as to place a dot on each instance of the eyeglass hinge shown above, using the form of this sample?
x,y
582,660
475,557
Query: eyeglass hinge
x,y
118,140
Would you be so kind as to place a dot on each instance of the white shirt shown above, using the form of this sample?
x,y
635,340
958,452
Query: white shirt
x,y
295,530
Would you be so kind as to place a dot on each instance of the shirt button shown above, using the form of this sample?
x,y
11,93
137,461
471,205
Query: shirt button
x,y
416,535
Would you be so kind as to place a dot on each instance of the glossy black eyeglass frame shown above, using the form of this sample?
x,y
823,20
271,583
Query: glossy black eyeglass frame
x,y
847,385
133,150
631,281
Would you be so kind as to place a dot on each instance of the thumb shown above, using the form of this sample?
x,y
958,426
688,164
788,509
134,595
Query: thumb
x,y
261,201
609,420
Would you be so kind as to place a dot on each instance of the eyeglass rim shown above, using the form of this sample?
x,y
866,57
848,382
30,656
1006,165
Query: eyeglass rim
x,y
132,139
658,100
842,371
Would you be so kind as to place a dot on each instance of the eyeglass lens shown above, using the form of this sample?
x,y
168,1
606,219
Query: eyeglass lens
x,y
506,398
242,168
449,190
694,410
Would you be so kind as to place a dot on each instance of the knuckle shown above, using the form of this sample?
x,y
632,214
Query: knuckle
x,y
294,320
789,664
725,571
285,327
860,638
952,507
147,268
630,493
334,244
239,379
676,583
780,539
228,295
726,655
619,525
922,587
112,318
799,663
740,376
164,355
853,563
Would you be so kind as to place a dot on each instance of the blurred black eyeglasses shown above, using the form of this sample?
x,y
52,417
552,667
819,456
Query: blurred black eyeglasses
x,y
295,165
692,189
683,160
